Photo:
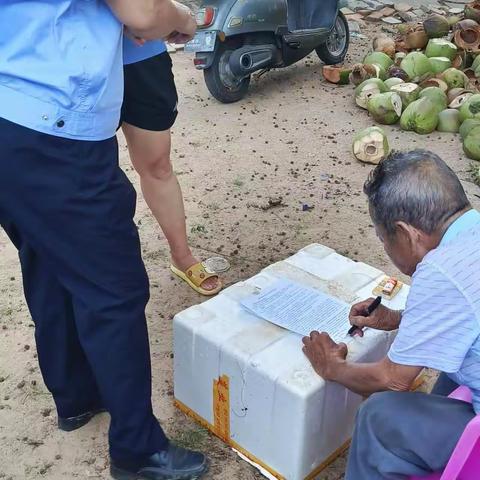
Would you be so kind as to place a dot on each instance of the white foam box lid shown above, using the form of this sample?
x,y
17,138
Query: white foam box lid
x,y
282,415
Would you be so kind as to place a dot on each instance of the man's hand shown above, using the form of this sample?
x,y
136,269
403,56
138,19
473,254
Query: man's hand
x,y
154,19
382,318
324,354
189,27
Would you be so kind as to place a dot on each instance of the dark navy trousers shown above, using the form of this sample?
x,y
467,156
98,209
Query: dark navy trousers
x,y
68,208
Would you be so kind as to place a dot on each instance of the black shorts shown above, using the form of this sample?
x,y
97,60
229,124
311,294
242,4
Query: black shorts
x,y
150,98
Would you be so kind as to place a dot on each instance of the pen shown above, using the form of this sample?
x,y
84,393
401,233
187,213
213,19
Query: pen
x,y
368,311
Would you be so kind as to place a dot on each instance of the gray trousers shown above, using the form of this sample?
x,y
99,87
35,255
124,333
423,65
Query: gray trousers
x,y
398,434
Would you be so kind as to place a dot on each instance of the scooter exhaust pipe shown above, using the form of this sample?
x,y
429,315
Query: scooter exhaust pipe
x,y
251,58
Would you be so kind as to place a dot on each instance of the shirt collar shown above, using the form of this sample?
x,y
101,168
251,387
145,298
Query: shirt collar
x,y
465,222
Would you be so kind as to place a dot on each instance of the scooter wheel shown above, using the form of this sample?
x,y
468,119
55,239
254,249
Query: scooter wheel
x,y
335,49
222,84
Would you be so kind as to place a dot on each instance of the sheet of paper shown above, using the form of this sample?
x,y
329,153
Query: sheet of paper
x,y
300,309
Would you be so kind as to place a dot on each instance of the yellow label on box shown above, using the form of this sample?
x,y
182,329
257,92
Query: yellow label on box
x,y
221,407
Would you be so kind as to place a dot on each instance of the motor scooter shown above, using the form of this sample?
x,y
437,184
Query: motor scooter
x,y
236,38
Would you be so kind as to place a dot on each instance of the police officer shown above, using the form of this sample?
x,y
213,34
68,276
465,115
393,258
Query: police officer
x,y
68,208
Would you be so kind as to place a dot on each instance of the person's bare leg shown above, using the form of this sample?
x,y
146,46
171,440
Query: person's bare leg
x,y
150,155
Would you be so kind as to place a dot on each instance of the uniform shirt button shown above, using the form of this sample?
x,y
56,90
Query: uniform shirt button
x,y
60,123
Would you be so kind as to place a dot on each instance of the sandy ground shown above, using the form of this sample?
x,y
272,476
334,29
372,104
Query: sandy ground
x,y
291,139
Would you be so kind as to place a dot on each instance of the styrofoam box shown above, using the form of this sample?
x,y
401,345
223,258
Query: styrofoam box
x,y
282,415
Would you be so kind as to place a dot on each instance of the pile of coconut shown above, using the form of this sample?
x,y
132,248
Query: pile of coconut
x,y
427,79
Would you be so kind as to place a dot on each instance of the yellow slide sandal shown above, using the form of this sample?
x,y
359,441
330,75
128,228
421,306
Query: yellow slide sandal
x,y
195,276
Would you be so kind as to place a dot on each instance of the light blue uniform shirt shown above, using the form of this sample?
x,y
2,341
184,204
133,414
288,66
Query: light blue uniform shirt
x,y
133,53
61,67
440,326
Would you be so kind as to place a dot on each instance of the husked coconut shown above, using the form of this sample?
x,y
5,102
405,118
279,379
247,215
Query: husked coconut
x,y
420,116
449,121
371,145
367,89
385,108
408,92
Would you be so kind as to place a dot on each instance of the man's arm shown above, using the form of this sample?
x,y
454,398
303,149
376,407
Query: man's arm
x,y
153,19
368,378
328,360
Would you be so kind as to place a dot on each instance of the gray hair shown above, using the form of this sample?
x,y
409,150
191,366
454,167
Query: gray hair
x,y
415,187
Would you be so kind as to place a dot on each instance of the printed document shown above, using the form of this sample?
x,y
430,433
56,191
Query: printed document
x,y
300,309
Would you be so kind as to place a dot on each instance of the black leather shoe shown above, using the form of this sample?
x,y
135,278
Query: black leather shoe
x,y
73,423
175,463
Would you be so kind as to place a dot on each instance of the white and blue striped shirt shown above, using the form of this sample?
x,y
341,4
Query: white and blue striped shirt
x,y
440,326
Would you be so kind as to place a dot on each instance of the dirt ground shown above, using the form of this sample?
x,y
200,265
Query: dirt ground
x,y
289,139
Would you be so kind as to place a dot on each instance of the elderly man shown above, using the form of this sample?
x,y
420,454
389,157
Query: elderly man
x,y
430,232
68,208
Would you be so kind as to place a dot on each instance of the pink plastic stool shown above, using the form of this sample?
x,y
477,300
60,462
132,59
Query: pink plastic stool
x,y
464,464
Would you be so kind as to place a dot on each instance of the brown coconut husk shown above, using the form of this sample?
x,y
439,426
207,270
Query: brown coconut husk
x,y
361,72
467,35
459,60
416,39
434,82
453,93
336,74
472,11
382,43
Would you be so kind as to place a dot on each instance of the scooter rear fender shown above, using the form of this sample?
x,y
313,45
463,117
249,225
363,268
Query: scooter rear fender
x,y
238,17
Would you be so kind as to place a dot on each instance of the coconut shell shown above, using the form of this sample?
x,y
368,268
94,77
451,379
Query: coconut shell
x,y
472,11
384,44
361,72
453,93
457,102
467,35
435,82
416,40
436,26
459,60
335,74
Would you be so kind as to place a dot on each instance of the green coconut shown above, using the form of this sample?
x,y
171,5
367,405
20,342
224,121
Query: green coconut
x,y
378,58
437,96
440,64
454,78
470,108
436,26
367,89
371,145
385,108
408,92
449,121
471,144
438,47
468,125
420,116
391,82
417,66
476,62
